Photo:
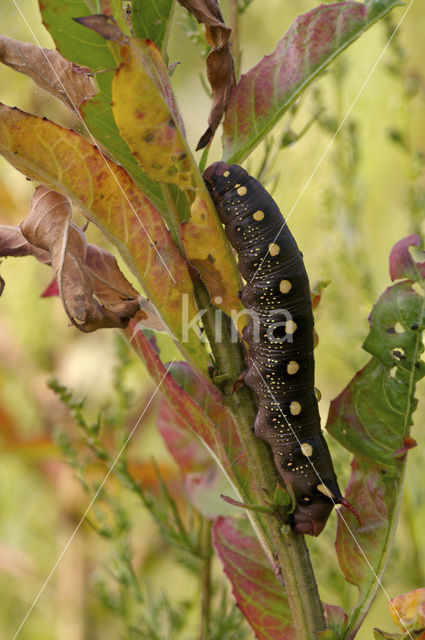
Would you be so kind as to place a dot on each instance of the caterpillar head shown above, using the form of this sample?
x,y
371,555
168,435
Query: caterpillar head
x,y
312,511
220,178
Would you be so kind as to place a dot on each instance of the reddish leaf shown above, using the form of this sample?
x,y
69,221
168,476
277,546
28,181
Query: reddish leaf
x,y
209,401
191,415
185,448
257,592
336,620
316,292
49,70
51,290
373,498
204,482
402,264
263,95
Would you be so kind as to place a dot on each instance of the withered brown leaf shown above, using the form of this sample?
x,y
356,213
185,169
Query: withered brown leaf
x,y
49,70
14,244
103,269
220,67
93,290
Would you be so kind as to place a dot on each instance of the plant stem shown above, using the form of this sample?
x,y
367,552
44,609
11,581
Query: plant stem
x,y
234,24
414,547
206,591
288,552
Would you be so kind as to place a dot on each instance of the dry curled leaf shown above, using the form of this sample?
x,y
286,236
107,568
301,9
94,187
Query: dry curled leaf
x,y
14,244
93,290
65,80
220,67
110,286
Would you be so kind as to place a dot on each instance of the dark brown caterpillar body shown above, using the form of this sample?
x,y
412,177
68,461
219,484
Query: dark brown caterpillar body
x,y
280,340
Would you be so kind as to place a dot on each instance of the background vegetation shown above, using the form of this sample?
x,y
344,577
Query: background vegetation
x,y
368,192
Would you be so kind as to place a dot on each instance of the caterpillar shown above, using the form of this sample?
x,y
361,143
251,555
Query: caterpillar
x,y
280,339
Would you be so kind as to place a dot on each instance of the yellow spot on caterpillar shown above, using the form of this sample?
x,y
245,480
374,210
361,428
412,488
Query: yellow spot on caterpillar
x,y
258,215
293,367
317,394
393,372
326,492
290,327
307,449
226,174
295,408
274,249
398,327
285,286
242,191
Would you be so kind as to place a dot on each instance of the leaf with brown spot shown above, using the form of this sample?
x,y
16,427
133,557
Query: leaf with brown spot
x,y
144,110
147,116
211,256
220,67
66,162
65,80
144,106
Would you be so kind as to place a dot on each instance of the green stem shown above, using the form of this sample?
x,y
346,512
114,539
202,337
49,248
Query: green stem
x,y
369,594
172,218
414,546
289,551
234,24
206,590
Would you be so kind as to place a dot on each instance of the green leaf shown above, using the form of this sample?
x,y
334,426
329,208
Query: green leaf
x,y
372,418
265,93
79,44
373,414
73,41
151,19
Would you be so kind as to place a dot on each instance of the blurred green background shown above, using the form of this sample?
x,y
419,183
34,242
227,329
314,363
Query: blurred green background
x,y
350,201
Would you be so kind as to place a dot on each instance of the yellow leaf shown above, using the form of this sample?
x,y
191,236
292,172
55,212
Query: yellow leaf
x,y
144,117
64,161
